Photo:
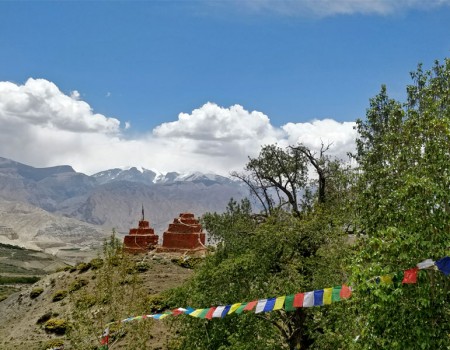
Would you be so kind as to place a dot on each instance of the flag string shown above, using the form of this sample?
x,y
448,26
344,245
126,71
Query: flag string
x,y
289,302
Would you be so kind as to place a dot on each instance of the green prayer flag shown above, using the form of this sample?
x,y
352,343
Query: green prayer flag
x,y
203,313
241,308
289,302
336,293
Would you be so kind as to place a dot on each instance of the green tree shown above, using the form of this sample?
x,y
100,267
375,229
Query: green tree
x,y
404,209
294,247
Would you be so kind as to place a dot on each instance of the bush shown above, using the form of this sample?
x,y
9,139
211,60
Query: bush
x,y
56,325
83,267
45,317
53,344
18,279
142,266
96,263
157,303
187,262
59,295
78,284
86,301
35,292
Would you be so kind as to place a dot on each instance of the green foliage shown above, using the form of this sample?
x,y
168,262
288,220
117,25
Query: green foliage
x,y
403,152
56,325
35,292
59,295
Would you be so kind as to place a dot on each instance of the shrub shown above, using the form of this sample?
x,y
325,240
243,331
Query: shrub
x,y
157,303
56,325
83,267
78,284
35,292
45,317
142,266
86,301
53,344
96,263
59,295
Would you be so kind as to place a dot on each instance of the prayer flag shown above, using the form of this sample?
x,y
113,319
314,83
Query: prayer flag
x,y
425,264
225,311
163,316
444,265
105,337
336,293
346,292
241,308
260,306
196,313
327,295
269,305
318,297
289,303
209,314
308,301
410,276
279,302
218,311
234,307
203,313
251,305
298,299
188,310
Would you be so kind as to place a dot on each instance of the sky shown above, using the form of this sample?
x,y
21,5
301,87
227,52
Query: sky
x,y
201,85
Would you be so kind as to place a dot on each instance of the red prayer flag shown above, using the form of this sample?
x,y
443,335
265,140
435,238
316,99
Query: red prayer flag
x,y
410,276
346,292
177,312
298,299
210,313
250,305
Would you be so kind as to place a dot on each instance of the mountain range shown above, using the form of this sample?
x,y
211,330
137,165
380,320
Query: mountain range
x,y
59,208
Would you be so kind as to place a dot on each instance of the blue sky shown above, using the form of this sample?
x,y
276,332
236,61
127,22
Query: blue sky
x,y
144,63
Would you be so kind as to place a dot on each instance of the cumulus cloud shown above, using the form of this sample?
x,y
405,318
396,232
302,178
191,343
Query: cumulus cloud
x,y
40,103
324,8
42,126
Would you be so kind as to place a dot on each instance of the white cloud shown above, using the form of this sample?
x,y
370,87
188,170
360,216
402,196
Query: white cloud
x,y
42,126
341,136
40,103
324,8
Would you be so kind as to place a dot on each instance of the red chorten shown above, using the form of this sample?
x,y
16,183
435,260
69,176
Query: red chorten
x,y
141,239
185,233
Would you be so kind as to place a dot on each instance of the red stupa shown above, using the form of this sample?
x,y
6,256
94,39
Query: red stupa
x,y
141,239
185,233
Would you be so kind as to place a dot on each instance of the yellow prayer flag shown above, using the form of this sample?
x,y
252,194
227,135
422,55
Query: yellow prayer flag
x,y
163,316
279,302
196,313
327,292
234,307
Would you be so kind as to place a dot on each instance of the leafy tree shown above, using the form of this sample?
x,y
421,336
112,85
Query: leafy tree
x,y
404,208
287,252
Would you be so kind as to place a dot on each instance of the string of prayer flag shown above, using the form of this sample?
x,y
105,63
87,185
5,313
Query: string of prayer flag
x,y
291,302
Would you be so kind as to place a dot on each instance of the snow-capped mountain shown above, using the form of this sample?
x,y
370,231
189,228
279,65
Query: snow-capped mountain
x,y
150,177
